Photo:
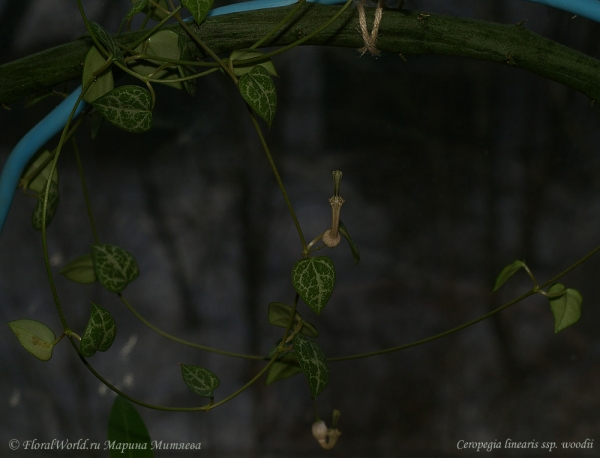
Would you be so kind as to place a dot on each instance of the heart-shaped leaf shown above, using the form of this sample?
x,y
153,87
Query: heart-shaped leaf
x,y
312,362
167,44
566,308
201,381
198,8
127,431
102,83
258,90
127,107
241,69
353,246
115,267
508,272
314,280
37,338
99,333
80,270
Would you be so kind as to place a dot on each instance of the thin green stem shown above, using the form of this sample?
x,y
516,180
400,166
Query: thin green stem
x,y
315,240
183,78
206,49
86,195
46,256
139,402
24,182
571,267
182,341
437,336
144,56
284,21
278,179
530,273
477,320
125,395
153,30
247,385
303,39
90,31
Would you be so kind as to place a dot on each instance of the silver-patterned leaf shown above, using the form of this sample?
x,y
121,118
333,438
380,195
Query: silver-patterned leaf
x,y
99,333
127,107
201,381
312,362
258,90
115,268
314,280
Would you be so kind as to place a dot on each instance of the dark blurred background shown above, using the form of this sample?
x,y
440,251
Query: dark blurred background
x,y
453,168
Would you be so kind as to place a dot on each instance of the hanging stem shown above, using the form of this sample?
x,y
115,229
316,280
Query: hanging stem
x,y
278,179
86,195
182,341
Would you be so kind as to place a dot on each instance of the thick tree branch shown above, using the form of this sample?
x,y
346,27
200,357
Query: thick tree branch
x,y
401,32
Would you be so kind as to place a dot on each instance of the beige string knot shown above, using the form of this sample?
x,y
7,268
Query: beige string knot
x,y
370,39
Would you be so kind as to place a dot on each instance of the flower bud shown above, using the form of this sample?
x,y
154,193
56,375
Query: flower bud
x,y
319,431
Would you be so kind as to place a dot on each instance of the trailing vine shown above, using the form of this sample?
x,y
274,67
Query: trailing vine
x,y
174,52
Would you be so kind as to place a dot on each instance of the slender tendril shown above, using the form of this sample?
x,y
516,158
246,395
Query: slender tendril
x,y
264,40
278,178
205,47
533,291
437,336
46,256
182,341
86,195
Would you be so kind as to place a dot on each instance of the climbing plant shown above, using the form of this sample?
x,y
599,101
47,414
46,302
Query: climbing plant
x,y
172,51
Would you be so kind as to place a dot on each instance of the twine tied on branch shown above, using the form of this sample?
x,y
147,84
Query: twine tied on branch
x,y
370,39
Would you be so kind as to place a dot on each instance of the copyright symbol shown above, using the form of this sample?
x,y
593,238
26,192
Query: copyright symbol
x,y
14,444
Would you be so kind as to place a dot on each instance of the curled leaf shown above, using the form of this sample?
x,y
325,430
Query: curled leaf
x,y
353,246
508,272
566,308
80,270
